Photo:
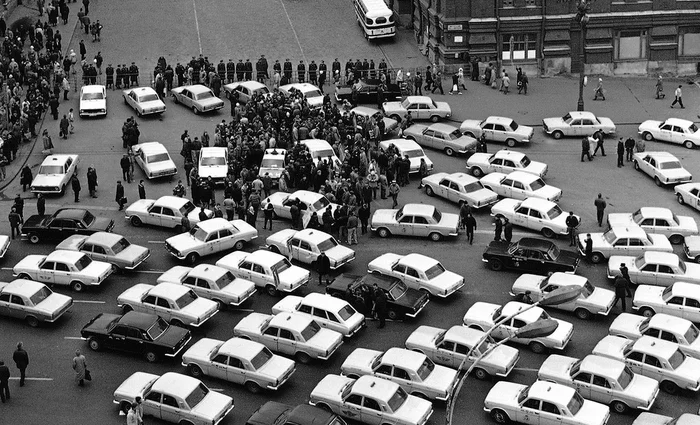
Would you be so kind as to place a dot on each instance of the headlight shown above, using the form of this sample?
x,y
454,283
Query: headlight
x,y
56,188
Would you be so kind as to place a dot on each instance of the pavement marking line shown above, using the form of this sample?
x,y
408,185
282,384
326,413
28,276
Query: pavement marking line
x,y
16,378
526,369
72,337
196,24
91,207
7,268
158,242
296,37
89,302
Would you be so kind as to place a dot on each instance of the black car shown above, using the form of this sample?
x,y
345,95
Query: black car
x,y
64,223
532,255
367,92
140,333
400,299
274,413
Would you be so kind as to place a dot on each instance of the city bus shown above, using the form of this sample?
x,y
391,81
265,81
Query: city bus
x,y
375,18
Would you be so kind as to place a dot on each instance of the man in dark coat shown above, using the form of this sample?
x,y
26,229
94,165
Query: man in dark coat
x,y
622,291
507,230
15,222
75,185
499,228
620,153
119,195
40,204
301,72
142,190
26,179
380,305
4,382
125,165
21,359
470,226
323,267
92,181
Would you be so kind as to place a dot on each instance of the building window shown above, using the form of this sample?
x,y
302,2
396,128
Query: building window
x,y
519,47
631,44
507,3
689,42
530,3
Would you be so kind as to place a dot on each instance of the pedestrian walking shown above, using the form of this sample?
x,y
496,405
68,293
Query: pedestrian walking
x,y
437,83
586,148
589,248
660,88
15,221
506,83
92,181
499,229
394,190
620,153
380,305
323,267
139,409
599,90
21,359
679,98
71,120
353,224
470,226
572,223
507,230
26,178
125,165
268,213
119,197
629,148
142,190
75,185
625,272
599,136
80,368
600,206
4,382
40,204
622,291
524,83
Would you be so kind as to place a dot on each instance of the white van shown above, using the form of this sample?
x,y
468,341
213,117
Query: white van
x,y
375,18
321,148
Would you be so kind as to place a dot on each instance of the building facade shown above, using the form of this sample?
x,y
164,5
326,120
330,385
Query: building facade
x,y
622,36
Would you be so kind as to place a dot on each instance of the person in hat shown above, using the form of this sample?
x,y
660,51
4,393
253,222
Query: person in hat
x,y
599,90
394,190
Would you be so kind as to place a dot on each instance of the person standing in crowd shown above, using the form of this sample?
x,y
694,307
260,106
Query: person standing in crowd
x,y
394,190
353,224
524,83
363,214
40,204
507,230
380,305
80,367
323,267
119,197
15,221
268,213
437,83
470,225
679,98
622,291
499,229
505,81
620,153
629,148
571,225
21,359
142,190
132,417
589,247
92,181
4,382
75,185
600,206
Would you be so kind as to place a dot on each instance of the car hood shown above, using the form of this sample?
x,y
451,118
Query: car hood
x,y
325,340
649,125
55,302
48,179
132,254
556,367
93,104
480,312
213,406
525,131
251,324
384,262
135,385
330,388
423,336
338,253
502,356
175,274
646,418
505,206
470,125
392,107
689,369
449,220
555,122
293,275
606,123
620,220
593,413
214,171
360,360
384,216
140,206
478,159
615,261
183,241
648,294
693,243
527,282
642,387
535,167
72,243
627,325
600,297
201,350
688,223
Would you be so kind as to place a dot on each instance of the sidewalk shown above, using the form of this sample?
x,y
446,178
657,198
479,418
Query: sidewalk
x,y
16,12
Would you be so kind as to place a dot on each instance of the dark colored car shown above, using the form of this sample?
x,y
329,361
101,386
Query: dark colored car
x,y
140,333
274,413
400,299
63,223
367,92
530,255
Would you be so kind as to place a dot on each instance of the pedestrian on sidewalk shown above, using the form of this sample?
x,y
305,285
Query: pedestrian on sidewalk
x,y
80,368
65,85
92,181
119,197
599,90
600,206
506,83
660,88
63,126
679,98
620,153
586,148
4,382
26,178
71,120
437,83
53,104
21,359
142,190
75,185
83,50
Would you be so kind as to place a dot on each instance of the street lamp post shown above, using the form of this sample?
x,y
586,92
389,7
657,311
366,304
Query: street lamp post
x,y
582,19
540,328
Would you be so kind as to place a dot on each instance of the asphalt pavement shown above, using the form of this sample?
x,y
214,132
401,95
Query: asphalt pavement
x,y
168,27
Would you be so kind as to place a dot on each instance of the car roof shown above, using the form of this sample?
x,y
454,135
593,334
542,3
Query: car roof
x,y
138,319
567,279
168,290
499,120
94,88
462,178
143,90
401,144
419,209
214,151
297,322
535,243
176,384
629,232
251,85
264,257
75,213
538,204
241,347
373,387
602,365
685,289
106,238
207,271
64,255
582,114
679,122
443,127
171,201
152,147
365,111
197,88
660,155
23,287
657,212
657,257
669,323
312,235
512,307
400,356
307,414
58,158
523,176
324,301
302,87
655,346
469,336
505,153
213,224
549,391
316,144
418,261
419,99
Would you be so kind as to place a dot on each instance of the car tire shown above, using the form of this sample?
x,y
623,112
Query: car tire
x,y
302,357
195,110
127,308
392,315
548,233
676,239
135,221
499,416
689,145
273,248
434,118
151,356
435,237
481,374
195,371
24,276
429,190
449,151
583,314
511,143
496,264
325,407
657,181
252,387
669,387
34,238
697,259
271,290
647,136
679,198
619,407
192,258
77,286
636,166
383,232
239,245
476,172
646,312
537,347
94,344
597,258
32,321
557,135
125,406
396,118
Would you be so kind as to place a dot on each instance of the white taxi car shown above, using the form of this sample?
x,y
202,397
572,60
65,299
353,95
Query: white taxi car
x,y
601,379
166,211
306,246
413,371
312,94
663,167
329,312
154,160
534,213
483,316
209,237
655,268
592,300
32,302
460,188
408,147
691,248
71,268
443,137
663,326
312,202
290,333
655,358
243,91
673,130
646,418
498,129
520,185
420,220
419,272
450,347
370,400
175,303
197,97
213,162
577,123
681,299
266,269
321,150
688,194
108,247
273,163
420,107
93,101
4,245
504,161
390,124
173,397
543,402
144,100
211,282
54,174
657,220
632,241
240,361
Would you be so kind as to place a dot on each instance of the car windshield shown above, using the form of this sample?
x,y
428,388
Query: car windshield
x,y
637,216
454,135
198,234
586,290
513,125
566,118
346,312
575,367
158,157
537,184
186,299
321,203
281,266
309,331
497,314
92,96
82,262
610,236
40,295
625,377
213,160
51,169
575,404
554,212
261,358
437,215
157,329
425,369
205,95
88,218
691,334
667,293
327,244
525,161
639,262
312,93
670,165
397,400
225,279
554,252
323,153
414,153
272,163
120,246
692,129
197,395
187,208
676,359
481,349
473,187
149,98
434,271
397,291
523,395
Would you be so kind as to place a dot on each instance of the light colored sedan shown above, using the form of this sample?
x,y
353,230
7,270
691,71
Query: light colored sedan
x,y
443,137
267,270
534,213
408,147
673,130
312,94
71,268
390,124
680,299
93,101
663,326
32,302
450,348
166,211
330,312
520,185
691,248
688,194
415,220
197,97
210,237
211,282
579,124
504,161
4,245
55,173
459,188
663,167
144,100
107,247
601,379
655,268
240,361
420,107
646,418
657,220
311,202
632,241
498,129
419,272
307,245
213,162
592,300
154,160
242,91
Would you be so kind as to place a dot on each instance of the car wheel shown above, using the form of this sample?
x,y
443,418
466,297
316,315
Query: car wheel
x,y
647,136
252,387
434,118
24,276
125,406
271,290
325,407
658,181
273,248
669,387
127,308
679,198
94,344
646,312
77,286
496,265
481,374
195,371
476,172
583,314
392,315
135,221
547,233
302,357
239,245
597,258
636,166
34,238
676,239
429,190
150,356
32,321
449,151
688,144
557,135
697,259
511,143
396,118
192,258
383,233
618,407
175,99
435,237
537,347
499,416
195,110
